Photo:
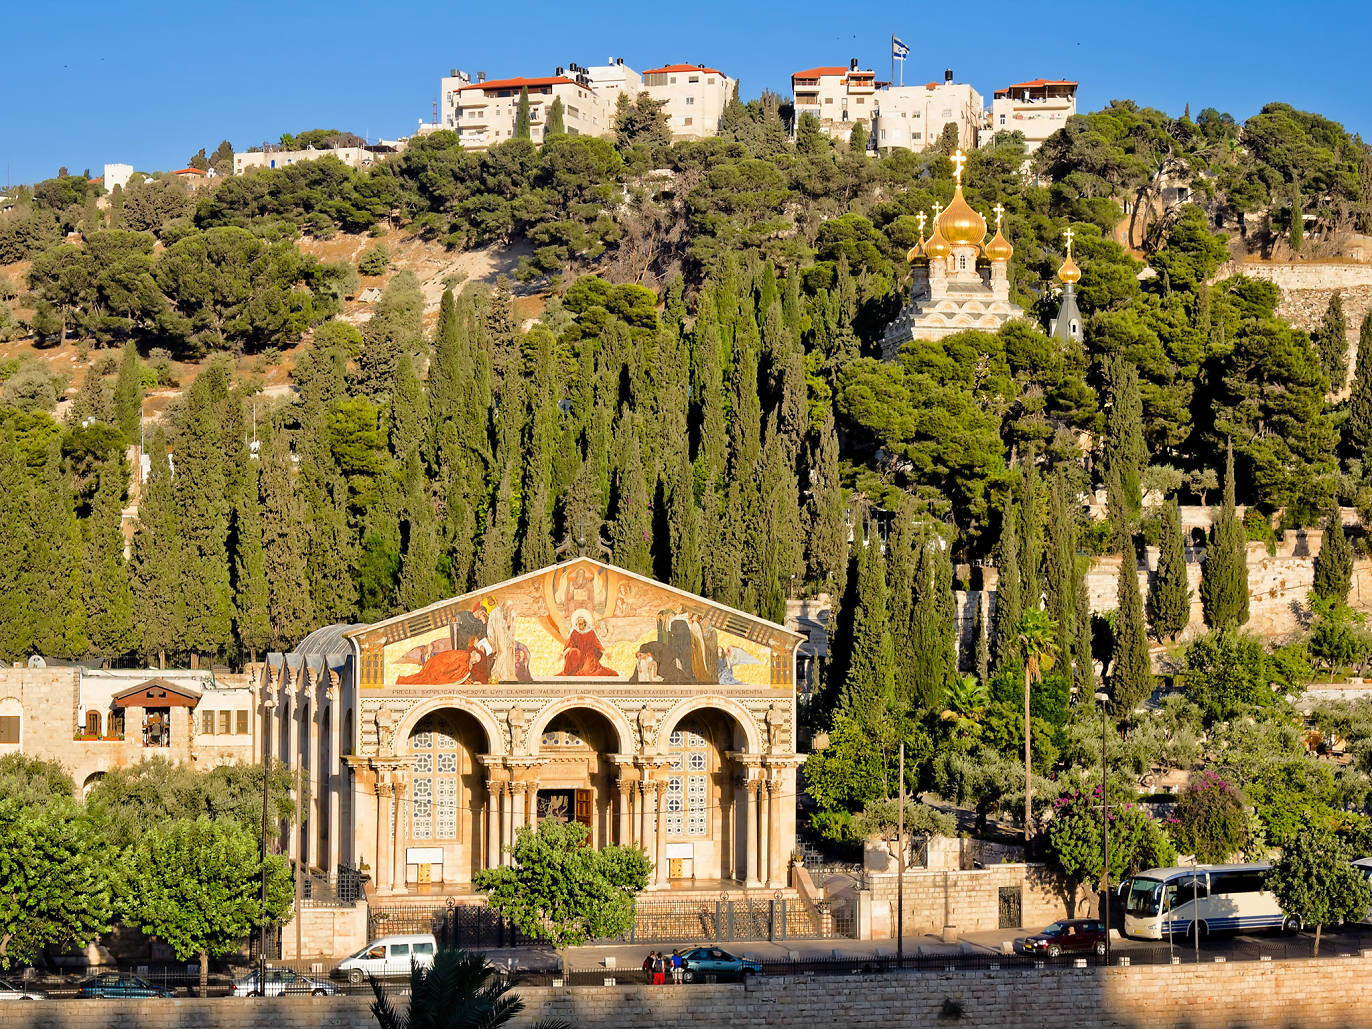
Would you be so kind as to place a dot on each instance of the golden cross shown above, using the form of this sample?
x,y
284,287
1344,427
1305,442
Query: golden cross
x,y
1069,234
1000,213
937,211
959,159
921,219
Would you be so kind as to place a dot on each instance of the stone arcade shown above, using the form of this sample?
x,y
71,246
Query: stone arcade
x,y
582,691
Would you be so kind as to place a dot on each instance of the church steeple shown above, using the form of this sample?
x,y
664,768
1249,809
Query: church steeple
x,y
1067,325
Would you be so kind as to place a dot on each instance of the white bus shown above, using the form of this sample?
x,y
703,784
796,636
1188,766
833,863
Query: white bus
x,y
1163,902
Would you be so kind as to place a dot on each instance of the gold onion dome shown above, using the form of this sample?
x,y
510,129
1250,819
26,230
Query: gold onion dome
x,y
999,249
937,247
916,252
960,225
1069,272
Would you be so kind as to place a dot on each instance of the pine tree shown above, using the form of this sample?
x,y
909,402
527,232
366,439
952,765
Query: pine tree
x,y
1358,430
1331,341
109,591
557,121
869,689
1031,531
1334,563
159,560
16,549
395,328
128,394
1125,450
1169,596
285,558
1059,564
826,523
1009,602
1224,573
522,123
252,619
1131,673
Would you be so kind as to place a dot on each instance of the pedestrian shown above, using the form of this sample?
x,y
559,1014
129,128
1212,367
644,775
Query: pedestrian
x,y
659,969
648,968
678,967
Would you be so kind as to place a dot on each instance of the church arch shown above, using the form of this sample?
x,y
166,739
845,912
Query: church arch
x,y
495,739
623,731
745,722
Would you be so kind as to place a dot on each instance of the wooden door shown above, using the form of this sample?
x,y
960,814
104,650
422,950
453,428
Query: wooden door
x,y
583,807
425,874
675,868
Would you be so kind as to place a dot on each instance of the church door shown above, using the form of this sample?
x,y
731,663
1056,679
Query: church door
x,y
583,807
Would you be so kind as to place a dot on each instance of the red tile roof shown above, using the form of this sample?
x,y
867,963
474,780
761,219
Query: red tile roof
x,y
517,83
189,171
1035,84
932,85
814,73
681,68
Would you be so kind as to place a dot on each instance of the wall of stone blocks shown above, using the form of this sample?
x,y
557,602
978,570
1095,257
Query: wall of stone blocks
x,y
1329,993
326,933
968,899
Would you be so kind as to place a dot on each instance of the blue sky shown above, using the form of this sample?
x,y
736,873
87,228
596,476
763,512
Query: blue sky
x,y
150,83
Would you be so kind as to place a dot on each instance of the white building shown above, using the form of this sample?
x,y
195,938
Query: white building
x,y
695,96
483,113
913,117
117,175
1037,108
613,78
839,97
274,157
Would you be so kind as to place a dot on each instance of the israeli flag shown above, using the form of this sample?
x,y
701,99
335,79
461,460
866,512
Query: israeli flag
x,y
899,49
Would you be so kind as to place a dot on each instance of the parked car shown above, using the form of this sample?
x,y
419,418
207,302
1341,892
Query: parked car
x,y
706,961
120,984
18,991
390,955
281,981
1071,934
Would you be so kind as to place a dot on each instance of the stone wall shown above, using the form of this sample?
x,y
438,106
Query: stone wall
x,y
327,934
1330,993
966,899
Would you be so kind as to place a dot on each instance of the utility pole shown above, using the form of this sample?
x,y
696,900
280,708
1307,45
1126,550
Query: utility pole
x,y
900,865
1105,826
266,780
299,837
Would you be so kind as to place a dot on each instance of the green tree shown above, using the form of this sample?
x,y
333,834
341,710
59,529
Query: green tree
x,y
1036,638
857,140
375,261
1227,673
1125,450
1224,573
1031,533
521,123
16,551
1059,564
1358,428
128,394
1009,601
1331,342
460,990
1131,671
195,885
826,527
57,872
1316,884
557,120
1169,596
252,619
563,891
1212,819
869,689
1334,563
108,598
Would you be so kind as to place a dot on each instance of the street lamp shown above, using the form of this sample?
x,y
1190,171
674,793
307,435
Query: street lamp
x,y
1105,824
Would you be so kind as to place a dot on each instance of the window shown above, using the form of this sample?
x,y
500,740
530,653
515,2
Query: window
x,y
962,263
693,78
9,728
207,722
861,100
687,121
690,100
92,723
687,798
439,762
115,723
242,726
1002,119
400,950
674,80
710,81
224,719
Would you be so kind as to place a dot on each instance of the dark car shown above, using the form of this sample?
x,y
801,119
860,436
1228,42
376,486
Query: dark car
x,y
120,984
711,961
1072,934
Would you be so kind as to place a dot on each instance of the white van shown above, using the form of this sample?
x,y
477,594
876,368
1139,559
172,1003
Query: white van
x,y
390,955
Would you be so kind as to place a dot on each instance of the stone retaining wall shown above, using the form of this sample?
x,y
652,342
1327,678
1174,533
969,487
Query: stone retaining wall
x,y
1329,993
968,900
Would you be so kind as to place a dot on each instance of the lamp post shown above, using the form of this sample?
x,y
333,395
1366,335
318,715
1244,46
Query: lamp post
x,y
1105,825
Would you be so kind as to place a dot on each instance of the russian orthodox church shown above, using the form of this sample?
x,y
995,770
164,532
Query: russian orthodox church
x,y
960,280
1067,325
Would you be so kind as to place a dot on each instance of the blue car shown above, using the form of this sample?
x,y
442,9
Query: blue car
x,y
711,961
120,984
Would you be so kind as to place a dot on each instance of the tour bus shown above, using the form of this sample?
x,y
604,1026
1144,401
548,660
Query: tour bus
x,y
1163,902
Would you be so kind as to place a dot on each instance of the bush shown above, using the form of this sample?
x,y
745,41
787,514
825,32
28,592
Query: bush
x,y
375,261
1212,819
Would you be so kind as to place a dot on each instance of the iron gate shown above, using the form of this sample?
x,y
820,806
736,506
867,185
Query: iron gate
x,y
1011,902
470,926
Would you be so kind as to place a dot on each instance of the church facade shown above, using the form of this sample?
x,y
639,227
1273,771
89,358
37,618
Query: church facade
x,y
582,691
959,280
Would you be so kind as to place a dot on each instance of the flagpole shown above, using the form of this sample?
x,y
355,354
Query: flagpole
x,y
893,60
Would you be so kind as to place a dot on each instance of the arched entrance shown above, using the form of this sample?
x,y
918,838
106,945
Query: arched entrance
x,y
702,822
577,777
448,798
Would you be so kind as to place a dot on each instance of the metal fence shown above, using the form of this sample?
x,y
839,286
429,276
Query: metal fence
x,y
470,926
740,918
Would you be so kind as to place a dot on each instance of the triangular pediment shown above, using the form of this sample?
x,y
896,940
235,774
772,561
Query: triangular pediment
x,y
156,693
578,620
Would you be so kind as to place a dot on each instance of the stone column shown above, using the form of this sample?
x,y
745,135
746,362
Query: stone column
x,y
493,791
507,817
776,871
641,822
383,817
650,822
398,800
519,810
626,790
750,805
531,805
337,780
660,868
728,833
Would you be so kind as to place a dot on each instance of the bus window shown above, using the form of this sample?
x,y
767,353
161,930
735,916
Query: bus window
x,y
1143,898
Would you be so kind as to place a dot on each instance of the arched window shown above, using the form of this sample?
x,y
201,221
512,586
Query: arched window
x,y
690,760
438,765
93,723
962,262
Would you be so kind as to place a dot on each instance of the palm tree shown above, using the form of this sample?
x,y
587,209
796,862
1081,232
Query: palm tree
x,y
1037,635
967,699
462,990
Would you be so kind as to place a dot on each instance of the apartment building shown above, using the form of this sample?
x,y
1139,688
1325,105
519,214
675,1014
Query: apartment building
x,y
1037,108
275,157
913,117
695,97
838,96
613,78
482,113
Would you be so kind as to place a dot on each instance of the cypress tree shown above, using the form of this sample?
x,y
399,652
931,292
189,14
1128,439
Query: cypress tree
x,y
1169,596
1131,673
59,616
395,328
522,123
1059,564
631,531
1083,662
1009,602
330,545
945,606
158,566
1295,229
1334,564
746,437
826,524
109,591
684,527
557,121
409,411
1125,450
1031,547
1358,433
777,531
1331,342
981,645
290,605
91,401
708,386
128,394
252,619
497,542
869,690
16,549
421,581
902,558
929,642
1224,573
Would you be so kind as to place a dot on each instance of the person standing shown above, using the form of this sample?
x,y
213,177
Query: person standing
x,y
678,968
659,969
